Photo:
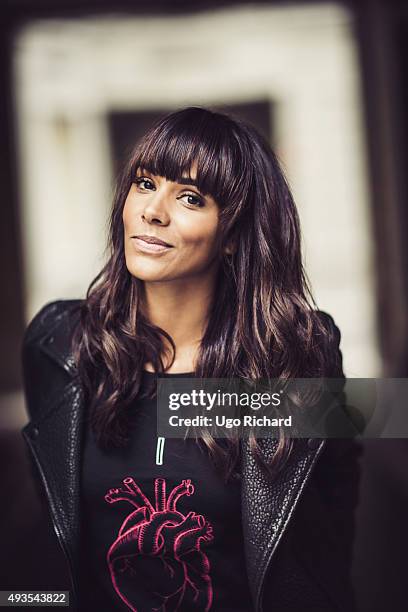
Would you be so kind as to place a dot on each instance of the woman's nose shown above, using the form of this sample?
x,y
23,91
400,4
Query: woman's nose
x,y
157,207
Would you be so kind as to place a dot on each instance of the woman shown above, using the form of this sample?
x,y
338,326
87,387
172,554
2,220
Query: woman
x,y
204,279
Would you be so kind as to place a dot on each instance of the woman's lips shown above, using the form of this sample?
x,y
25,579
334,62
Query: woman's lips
x,y
149,247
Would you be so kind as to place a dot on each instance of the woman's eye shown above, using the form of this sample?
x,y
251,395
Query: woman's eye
x,y
143,182
193,200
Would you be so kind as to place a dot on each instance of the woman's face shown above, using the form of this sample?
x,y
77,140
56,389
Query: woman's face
x,y
176,213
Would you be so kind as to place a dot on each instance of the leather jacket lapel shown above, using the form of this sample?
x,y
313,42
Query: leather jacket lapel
x,y
268,506
55,443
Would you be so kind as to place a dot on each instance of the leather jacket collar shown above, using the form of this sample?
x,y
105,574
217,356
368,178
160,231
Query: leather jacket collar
x,y
54,435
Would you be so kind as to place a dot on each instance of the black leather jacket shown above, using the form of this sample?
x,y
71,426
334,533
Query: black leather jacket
x,y
297,529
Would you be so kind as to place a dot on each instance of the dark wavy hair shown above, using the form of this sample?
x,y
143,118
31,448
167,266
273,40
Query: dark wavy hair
x,y
262,322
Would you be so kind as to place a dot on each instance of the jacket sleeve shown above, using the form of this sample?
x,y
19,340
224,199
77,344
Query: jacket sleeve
x,y
337,473
41,377
311,569
325,521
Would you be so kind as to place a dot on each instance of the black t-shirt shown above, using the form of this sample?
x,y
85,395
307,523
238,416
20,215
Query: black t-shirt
x,y
159,537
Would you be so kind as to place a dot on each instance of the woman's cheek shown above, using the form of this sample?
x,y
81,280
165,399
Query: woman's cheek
x,y
126,214
200,231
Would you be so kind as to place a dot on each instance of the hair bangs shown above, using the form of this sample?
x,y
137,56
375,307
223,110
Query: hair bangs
x,y
196,145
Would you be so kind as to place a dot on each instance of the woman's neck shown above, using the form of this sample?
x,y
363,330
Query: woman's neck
x,y
181,308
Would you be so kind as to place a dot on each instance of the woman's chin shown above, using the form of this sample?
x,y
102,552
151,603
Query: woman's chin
x,y
149,275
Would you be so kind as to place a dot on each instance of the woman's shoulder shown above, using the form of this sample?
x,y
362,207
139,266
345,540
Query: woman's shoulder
x,y
47,361
327,334
49,336
328,321
54,317
324,324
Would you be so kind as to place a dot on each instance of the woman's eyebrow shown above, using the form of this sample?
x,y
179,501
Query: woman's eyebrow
x,y
182,180
187,181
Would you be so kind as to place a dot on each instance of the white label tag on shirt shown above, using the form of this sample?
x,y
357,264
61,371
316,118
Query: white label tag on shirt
x,y
159,451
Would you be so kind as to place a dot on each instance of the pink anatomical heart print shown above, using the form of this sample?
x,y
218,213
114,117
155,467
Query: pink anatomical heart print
x,y
158,549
